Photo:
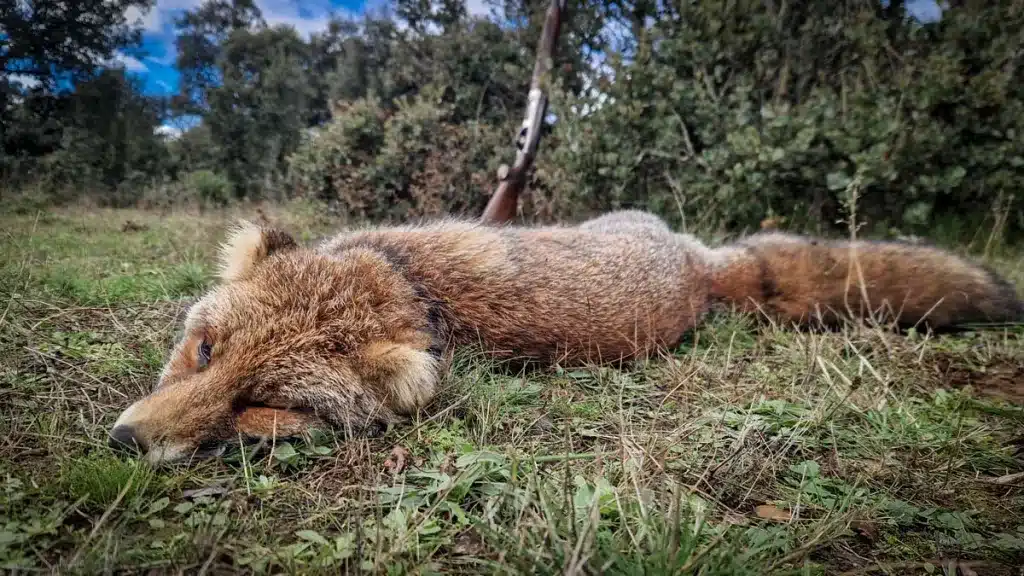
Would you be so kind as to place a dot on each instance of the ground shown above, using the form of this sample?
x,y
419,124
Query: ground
x,y
752,449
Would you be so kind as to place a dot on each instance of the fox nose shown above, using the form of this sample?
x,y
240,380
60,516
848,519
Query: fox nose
x,y
123,438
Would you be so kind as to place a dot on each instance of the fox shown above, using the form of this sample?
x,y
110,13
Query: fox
x,y
358,331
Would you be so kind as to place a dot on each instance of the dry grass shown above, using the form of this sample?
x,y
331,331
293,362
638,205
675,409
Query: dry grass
x,y
750,450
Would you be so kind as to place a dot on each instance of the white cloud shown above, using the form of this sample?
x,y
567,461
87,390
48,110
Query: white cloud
x,y
169,132
177,4
151,20
24,80
160,15
312,18
129,63
924,10
478,8
133,64
170,5
304,26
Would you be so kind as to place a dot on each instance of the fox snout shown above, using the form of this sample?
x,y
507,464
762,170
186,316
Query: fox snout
x,y
127,439
124,438
160,435
163,431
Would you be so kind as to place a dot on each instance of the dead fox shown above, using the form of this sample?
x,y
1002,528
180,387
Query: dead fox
x,y
359,330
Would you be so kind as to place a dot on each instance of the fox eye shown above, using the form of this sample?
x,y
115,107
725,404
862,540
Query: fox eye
x,y
205,351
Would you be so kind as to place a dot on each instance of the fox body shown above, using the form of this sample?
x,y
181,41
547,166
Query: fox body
x,y
359,330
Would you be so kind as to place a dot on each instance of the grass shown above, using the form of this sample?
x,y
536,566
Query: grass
x,y
750,450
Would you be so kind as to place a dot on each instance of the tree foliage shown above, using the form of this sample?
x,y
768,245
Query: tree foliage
x,y
202,36
733,111
49,40
717,113
108,139
68,116
260,108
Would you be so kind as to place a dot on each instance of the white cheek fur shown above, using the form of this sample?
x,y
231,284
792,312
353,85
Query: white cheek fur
x,y
413,387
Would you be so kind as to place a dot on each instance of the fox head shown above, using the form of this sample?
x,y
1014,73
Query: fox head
x,y
290,339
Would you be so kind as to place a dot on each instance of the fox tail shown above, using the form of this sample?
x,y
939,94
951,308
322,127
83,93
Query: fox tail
x,y
796,279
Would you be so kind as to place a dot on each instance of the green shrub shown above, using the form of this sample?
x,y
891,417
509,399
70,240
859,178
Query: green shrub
x,y
741,113
411,162
209,187
333,160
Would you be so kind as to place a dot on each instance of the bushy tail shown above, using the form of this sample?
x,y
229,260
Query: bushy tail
x,y
805,280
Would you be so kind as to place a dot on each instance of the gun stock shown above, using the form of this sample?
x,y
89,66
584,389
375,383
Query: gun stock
x,y
501,208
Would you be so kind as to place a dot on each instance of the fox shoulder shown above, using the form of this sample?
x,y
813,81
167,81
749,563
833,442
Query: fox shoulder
x,y
799,279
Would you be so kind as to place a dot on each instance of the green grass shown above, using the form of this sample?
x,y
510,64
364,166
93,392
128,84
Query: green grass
x,y
867,452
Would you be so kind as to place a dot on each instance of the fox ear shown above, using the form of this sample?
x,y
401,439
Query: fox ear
x,y
248,244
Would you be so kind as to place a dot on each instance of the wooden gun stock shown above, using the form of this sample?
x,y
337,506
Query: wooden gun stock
x,y
501,208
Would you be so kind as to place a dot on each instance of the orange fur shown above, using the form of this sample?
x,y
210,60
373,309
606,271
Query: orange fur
x,y
260,422
799,280
357,331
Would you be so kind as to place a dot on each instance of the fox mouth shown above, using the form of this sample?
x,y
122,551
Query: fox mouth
x,y
210,449
253,444
161,454
256,428
260,426
167,454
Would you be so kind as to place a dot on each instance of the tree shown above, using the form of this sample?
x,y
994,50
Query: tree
x,y
329,50
201,34
96,138
258,111
79,119
117,125
54,41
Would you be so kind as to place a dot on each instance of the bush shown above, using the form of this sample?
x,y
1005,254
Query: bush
x,y
333,160
741,113
390,166
209,186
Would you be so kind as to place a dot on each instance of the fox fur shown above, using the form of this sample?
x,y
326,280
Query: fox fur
x,y
359,330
